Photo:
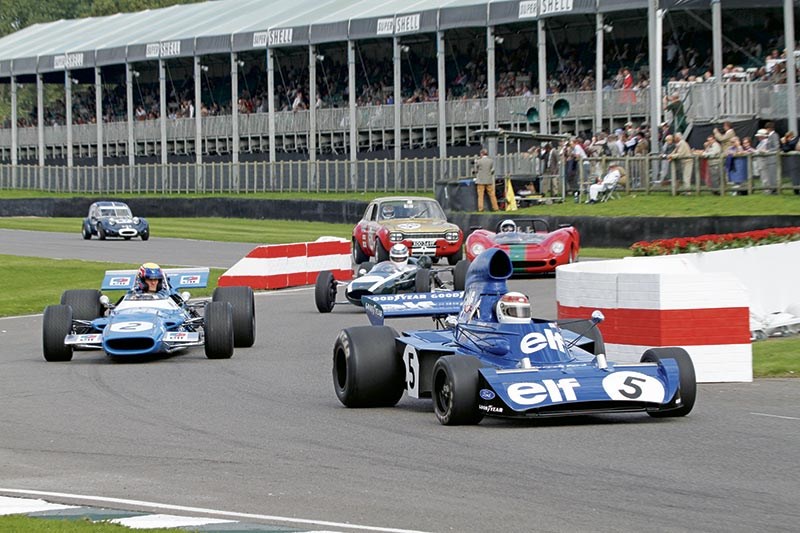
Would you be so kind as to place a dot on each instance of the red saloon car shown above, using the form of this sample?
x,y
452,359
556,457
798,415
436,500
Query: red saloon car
x,y
533,248
417,222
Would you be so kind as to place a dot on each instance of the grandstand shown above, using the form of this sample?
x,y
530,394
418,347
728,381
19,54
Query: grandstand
x,y
221,90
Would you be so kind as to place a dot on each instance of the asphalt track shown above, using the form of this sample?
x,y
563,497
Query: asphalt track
x,y
263,434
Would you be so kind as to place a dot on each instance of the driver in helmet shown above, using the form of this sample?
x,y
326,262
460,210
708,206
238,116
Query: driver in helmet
x,y
398,256
150,278
387,211
508,226
513,308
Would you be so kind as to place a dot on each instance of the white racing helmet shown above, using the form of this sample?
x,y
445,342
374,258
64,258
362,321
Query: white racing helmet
x,y
508,226
399,254
513,308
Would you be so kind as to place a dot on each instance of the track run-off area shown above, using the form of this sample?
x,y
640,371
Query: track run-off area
x,y
261,438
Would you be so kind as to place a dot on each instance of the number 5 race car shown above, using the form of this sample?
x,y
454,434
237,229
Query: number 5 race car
x,y
474,365
143,324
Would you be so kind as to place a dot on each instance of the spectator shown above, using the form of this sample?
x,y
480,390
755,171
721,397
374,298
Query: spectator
x,y
667,147
788,142
736,163
769,178
712,153
675,106
483,170
683,153
725,138
608,182
759,150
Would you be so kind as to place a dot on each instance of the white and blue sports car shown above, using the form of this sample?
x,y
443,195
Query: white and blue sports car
x,y
144,324
113,219
474,365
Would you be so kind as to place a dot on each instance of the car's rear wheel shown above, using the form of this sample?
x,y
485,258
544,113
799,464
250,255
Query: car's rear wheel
x,y
422,280
588,330
688,380
56,325
86,232
244,313
456,257
381,253
367,370
325,291
358,254
218,326
455,390
85,303
460,275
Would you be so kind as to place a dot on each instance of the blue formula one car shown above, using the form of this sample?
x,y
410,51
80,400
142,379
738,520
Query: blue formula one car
x,y
148,324
473,364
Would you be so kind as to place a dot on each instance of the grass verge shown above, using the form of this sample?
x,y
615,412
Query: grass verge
x,y
26,524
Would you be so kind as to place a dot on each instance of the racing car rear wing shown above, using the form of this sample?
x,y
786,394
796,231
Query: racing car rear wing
x,y
435,304
179,278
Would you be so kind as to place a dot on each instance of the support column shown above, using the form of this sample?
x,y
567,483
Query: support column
x,y
491,90
716,39
198,124
599,31
541,46
655,55
271,114
791,69
235,119
441,83
14,133
98,113
312,116
162,109
40,119
68,109
397,62
351,75
129,102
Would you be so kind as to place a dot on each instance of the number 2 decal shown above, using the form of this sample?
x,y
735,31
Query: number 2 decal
x,y
411,360
128,327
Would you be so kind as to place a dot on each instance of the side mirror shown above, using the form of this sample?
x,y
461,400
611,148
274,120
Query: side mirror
x,y
104,300
597,316
185,296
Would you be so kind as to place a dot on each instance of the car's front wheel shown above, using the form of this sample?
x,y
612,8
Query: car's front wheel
x,y
456,257
325,291
359,256
218,326
381,253
101,233
86,232
145,235
244,313
85,303
367,371
422,280
56,325
688,380
455,390
460,275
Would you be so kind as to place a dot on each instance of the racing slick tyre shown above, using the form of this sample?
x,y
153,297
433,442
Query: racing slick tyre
x,y
367,370
244,313
455,390
218,325
86,233
325,291
145,235
101,233
56,324
456,257
358,254
683,402
85,303
460,275
381,253
422,280
588,330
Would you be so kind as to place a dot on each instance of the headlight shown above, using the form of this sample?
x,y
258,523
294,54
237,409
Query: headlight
x,y
135,220
557,247
477,249
451,236
395,237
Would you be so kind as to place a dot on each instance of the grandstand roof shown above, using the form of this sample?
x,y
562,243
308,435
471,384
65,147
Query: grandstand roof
x,y
224,26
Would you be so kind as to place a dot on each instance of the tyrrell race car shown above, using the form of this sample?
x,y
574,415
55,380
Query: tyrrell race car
x,y
146,324
385,278
473,365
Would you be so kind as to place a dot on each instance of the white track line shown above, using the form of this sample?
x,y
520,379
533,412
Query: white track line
x,y
776,416
221,514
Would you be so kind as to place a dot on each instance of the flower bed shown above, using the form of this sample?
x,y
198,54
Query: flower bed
x,y
709,243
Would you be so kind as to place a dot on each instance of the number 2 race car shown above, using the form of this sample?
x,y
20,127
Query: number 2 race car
x,y
473,365
144,324
385,278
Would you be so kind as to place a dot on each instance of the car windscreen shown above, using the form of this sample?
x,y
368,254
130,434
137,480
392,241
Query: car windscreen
x,y
117,212
515,237
411,209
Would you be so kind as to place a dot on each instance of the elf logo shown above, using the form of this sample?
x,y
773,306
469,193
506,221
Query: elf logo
x,y
536,341
534,392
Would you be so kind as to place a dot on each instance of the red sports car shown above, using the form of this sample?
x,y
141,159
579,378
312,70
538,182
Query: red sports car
x,y
533,248
419,223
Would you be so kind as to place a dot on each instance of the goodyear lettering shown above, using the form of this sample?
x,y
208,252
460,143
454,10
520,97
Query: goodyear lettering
x,y
536,341
490,408
533,393
418,296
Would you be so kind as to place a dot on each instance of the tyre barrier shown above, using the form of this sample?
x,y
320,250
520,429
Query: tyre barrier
x,y
277,266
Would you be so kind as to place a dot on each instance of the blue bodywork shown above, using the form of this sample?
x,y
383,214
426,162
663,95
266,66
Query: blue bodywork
x,y
114,219
529,369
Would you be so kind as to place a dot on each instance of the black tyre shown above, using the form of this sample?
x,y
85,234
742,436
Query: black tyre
x,y
85,303
456,257
358,254
422,281
381,253
56,324
684,400
364,268
101,233
460,275
367,370
325,291
145,235
584,327
244,313
218,325
455,390
86,232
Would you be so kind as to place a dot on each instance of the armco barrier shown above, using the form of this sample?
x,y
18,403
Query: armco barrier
x,y
276,266
649,302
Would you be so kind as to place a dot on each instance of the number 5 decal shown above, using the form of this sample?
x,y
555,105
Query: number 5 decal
x,y
411,360
625,385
